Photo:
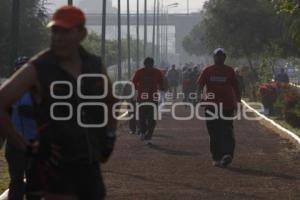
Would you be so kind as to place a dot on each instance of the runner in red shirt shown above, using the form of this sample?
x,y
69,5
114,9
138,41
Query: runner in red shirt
x,y
148,81
223,90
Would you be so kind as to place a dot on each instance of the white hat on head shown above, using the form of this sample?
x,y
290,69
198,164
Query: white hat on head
x,y
219,50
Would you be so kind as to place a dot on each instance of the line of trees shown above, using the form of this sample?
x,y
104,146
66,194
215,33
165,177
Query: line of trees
x,y
93,44
255,33
291,10
33,33
34,36
247,28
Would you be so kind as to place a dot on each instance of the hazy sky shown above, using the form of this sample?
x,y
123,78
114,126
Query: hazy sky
x,y
195,5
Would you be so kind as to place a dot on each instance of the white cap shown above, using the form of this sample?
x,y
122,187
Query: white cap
x,y
219,50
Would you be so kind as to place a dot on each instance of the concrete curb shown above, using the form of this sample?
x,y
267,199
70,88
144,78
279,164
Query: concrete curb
x,y
4,195
276,127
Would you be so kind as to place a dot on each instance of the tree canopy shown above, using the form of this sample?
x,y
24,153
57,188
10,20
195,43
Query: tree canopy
x,y
246,28
290,9
33,34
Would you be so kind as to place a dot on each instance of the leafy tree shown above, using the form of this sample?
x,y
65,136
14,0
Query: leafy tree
x,y
33,34
243,27
4,31
291,10
266,69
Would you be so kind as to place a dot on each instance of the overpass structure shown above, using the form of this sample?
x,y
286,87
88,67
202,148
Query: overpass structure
x,y
183,24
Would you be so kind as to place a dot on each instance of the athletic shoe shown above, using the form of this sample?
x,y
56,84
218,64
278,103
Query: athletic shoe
x,y
132,132
148,142
226,160
216,163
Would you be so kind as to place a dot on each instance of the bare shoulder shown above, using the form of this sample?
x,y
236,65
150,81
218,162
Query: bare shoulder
x,y
20,82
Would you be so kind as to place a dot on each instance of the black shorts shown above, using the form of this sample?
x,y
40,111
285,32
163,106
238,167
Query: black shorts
x,y
83,181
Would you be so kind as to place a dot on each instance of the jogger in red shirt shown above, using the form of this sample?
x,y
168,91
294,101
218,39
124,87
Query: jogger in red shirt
x,y
222,88
148,81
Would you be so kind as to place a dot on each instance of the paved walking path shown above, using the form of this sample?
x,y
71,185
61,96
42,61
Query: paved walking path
x,y
178,165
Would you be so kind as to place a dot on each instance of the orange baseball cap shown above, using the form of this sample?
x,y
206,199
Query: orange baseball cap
x,y
67,17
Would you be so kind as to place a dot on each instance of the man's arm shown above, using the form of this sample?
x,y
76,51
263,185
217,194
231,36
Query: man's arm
x,y
161,82
10,92
201,81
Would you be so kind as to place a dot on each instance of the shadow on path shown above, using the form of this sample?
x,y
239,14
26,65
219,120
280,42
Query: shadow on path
x,y
253,172
172,152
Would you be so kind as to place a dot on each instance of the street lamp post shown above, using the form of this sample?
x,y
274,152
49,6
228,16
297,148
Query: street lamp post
x,y
154,26
162,33
137,34
167,30
188,6
158,33
145,28
119,42
103,35
128,40
173,5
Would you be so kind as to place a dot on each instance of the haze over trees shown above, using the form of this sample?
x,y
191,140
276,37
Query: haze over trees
x,y
246,28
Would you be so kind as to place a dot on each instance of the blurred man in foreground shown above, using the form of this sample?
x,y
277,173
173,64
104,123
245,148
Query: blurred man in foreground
x,y
71,144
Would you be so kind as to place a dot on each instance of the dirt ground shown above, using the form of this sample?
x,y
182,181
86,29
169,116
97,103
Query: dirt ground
x,y
178,165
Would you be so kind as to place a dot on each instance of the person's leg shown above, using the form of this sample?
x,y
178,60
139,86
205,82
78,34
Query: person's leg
x,y
17,162
184,90
76,182
151,121
228,140
142,120
91,184
34,188
133,122
175,92
215,139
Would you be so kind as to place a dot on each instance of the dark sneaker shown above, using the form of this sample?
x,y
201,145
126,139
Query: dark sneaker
x,y
148,142
226,160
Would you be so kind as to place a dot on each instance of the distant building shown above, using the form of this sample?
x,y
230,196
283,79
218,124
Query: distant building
x,y
95,6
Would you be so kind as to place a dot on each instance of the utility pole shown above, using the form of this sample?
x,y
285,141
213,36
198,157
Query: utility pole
x,y
103,35
70,2
154,26
128,40
14,39
137,34
158,33
145,29
173,5
119,42
167,27
162,29
188,6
